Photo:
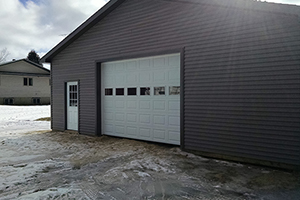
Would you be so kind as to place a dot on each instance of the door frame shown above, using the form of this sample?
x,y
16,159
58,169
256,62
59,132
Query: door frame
x,y
180,50
66,103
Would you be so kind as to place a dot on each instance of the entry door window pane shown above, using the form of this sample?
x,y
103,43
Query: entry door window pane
x,y
145,91
159,90
73,95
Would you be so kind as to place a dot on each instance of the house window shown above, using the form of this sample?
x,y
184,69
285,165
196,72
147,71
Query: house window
x,y
25,81
28,81
36,100
8,101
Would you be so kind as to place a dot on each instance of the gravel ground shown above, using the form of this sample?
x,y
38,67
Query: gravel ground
x,y
60,165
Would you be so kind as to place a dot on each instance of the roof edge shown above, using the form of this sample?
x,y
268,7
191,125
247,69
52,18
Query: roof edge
x,y
90,22
24,74
40,66
112,4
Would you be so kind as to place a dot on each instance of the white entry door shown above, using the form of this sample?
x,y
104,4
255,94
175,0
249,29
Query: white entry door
x,y
72,105
141,98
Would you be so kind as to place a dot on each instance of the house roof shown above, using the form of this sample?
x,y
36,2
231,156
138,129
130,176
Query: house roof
x,y
33,64
112,4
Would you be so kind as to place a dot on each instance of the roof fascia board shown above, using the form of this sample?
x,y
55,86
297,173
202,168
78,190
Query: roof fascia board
x,y
11,62
90,22
24,74
276,8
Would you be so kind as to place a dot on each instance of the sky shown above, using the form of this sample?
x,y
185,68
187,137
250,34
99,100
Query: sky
x,y
42,24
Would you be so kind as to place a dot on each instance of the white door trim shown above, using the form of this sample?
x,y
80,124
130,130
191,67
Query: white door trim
x,y
72,105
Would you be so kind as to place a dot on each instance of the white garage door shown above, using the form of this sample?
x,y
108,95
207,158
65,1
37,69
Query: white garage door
x,y
141,98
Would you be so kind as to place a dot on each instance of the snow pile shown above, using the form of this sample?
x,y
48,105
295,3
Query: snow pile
x,y
20,119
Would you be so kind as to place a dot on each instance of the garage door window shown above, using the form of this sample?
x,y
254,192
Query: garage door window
x,y
119,91
145,91
174,90
159,90
108,92
131,91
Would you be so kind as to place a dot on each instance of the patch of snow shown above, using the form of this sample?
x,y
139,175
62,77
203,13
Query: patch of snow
x,y
21,119
142,174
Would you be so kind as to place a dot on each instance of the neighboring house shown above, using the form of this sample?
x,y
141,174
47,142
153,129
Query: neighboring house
x,y
218,77
23,82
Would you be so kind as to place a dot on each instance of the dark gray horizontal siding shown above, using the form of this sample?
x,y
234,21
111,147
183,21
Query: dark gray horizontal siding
x,y
241,73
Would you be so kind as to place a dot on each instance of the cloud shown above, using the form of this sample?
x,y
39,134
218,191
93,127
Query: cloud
x,y
293,2
40,24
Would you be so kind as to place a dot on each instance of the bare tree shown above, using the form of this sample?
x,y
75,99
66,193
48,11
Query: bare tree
x,y
3,54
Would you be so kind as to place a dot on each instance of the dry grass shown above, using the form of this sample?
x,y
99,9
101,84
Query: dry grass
x,y
48,119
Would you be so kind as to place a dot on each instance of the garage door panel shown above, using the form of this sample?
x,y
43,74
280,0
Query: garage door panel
x,y
119,104
145,132
173,75
145,77
174,121
132,131
131,117
120,117
120,129
132,104
131,65
145,64
159,76
159,120
119,80
119,66
109,128
174,61
159,62
159,134
108,116
145,104
174,106
159,105
132,78
145,119
138,103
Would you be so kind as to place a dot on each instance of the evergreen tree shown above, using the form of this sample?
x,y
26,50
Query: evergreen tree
x,y
34,57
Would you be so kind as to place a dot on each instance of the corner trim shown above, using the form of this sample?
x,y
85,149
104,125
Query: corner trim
x,y
182,57
98,100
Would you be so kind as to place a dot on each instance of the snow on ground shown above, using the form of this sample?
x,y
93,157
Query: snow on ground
x,y
37,164
17,119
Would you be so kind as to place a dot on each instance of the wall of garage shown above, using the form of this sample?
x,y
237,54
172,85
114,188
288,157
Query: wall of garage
x,y
241,73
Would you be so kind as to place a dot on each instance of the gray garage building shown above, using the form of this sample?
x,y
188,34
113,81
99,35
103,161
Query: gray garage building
x,y
218,77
